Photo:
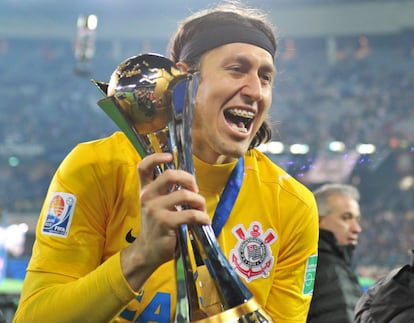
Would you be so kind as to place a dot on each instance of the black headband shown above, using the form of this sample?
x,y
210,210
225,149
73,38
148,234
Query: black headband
x,y
216,36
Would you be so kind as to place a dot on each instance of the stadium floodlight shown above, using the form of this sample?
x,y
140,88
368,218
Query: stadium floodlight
x,y
84,46
262,148
406,183
336,146
299,149
275,147
366,149
272,147
91,22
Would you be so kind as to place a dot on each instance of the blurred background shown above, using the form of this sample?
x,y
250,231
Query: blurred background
x,y
343,108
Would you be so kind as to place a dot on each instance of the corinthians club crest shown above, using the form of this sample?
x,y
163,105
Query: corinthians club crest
x,y
252,256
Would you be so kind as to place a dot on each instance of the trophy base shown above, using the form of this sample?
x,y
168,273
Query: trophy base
x,y
249,311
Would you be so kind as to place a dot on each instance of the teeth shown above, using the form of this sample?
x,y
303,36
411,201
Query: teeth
x,y
240,127
239,119
241,113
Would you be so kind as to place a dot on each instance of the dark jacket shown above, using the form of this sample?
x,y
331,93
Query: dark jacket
x,y
389,300
336,288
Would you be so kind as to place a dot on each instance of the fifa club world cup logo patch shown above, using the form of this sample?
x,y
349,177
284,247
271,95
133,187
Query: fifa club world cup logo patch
x,y
252,256
59,214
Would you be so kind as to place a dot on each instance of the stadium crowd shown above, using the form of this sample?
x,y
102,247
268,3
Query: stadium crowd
x,y
357,95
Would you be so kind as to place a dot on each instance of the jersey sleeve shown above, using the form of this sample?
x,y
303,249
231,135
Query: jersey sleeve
x,y
69,270
59,298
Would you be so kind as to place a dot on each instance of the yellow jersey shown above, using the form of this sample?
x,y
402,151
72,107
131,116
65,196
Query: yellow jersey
x,y
91,212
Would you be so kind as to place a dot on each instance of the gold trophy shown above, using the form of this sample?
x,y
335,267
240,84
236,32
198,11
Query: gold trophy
x,y
152,102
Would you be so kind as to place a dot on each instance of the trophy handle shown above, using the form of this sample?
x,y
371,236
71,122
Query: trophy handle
x,y
102,86
118,118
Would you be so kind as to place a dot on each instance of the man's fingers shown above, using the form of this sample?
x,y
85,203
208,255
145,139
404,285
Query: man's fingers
x,y
176,208
148,164
181,198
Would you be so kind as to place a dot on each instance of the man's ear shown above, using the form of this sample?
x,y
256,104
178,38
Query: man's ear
x,y
183,67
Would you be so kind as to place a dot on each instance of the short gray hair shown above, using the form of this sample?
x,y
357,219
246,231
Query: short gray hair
x,y
322,194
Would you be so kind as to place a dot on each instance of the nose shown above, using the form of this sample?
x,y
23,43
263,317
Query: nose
x,y
252,89
356,226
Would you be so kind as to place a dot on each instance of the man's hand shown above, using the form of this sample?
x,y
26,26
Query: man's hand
x,y
161,216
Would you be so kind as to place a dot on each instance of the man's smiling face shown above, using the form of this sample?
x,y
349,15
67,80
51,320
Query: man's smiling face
x,y
233,99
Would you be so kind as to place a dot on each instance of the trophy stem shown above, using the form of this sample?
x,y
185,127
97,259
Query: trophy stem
x,y
232,291
188,308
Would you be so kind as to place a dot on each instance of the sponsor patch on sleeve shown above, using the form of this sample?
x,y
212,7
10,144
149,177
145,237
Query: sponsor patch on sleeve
x,y
310,272
59,214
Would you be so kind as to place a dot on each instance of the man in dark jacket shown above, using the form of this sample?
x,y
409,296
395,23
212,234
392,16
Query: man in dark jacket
x,y
390,299
336,288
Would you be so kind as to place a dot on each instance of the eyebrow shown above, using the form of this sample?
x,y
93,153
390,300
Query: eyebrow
x,y
245,60
351,215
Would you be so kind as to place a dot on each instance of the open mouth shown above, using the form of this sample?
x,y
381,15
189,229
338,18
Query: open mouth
x,y
239,119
